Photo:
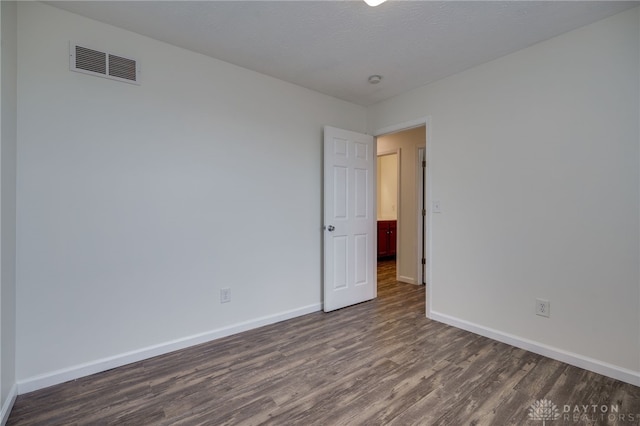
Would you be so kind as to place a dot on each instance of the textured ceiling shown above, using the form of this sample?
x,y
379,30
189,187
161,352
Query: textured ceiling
x,y
333,46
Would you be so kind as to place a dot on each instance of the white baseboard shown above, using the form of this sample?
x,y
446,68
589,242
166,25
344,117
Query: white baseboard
x,y
577,360
64,375
405,279
7,405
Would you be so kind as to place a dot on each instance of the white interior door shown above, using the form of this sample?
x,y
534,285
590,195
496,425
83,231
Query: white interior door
x,y
349,218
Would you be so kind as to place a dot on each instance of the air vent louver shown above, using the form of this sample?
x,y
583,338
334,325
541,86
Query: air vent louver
x,y
103,64
122,67
91,60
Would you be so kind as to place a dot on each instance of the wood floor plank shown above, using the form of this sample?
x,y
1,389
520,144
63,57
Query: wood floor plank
x,y
376,363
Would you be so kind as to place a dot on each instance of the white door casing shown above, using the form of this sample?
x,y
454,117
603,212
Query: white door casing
x,y
349,218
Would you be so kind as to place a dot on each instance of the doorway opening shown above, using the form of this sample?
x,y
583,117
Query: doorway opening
x,y
401,204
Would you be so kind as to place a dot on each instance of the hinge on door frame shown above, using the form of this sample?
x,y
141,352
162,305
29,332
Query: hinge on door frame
x,y
424,212
424,163
424,261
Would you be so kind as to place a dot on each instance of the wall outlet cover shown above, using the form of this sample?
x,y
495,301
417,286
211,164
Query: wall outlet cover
x,y
543,308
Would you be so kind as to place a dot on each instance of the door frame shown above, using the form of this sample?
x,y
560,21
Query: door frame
x,y
422,121
421,155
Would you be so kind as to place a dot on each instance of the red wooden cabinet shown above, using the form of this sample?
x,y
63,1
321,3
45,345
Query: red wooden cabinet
x,y
386,238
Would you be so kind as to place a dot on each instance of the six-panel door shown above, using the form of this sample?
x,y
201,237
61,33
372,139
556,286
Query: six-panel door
x,y
349,218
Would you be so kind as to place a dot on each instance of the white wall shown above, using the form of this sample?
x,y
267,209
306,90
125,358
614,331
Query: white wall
x,y
535,159
387,187
408,142
137,204
8,125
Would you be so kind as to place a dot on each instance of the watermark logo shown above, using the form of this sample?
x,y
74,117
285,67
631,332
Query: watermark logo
x,y
544,410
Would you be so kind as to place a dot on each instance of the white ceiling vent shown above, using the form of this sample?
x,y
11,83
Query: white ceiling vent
x,y
103,64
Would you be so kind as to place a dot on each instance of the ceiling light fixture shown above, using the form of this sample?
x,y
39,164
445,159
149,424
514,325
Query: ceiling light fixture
x,y
375,79
374,3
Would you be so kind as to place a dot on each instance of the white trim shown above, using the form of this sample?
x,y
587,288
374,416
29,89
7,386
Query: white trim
x,y
398,210
408,280
402,126
390,152
421,155
429,225
577,360
374,259
97,366
8,404
423,121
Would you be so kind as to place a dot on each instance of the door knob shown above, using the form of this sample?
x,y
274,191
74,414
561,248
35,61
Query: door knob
x,y
330,228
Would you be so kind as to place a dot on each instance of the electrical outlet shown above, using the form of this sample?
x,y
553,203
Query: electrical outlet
x,y
225,295
543,308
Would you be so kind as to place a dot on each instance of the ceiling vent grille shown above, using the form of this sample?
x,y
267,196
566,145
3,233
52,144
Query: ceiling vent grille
x,y
103,64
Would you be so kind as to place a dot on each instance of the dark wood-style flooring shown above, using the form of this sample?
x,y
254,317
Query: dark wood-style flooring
x,y
379,362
